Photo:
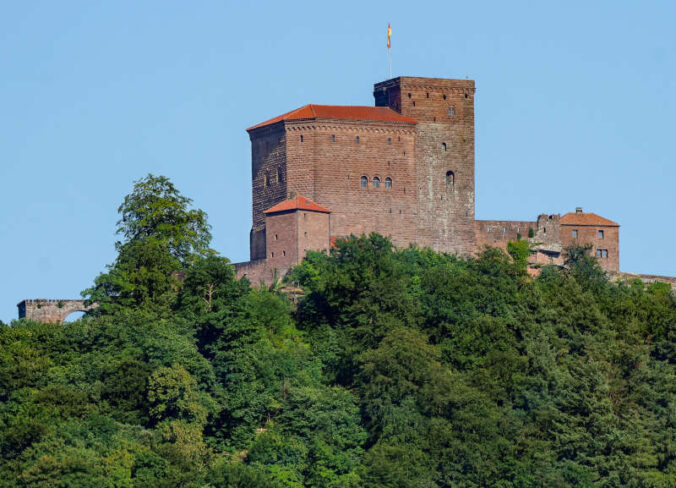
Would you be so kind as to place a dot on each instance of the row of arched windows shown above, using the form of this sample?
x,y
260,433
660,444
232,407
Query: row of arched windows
x,y
375,181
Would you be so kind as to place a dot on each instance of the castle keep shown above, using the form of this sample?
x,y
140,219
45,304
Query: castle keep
x,y
403,168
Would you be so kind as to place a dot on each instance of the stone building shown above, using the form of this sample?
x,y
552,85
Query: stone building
x,y
403,168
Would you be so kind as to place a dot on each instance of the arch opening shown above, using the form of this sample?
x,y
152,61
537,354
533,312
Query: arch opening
x,y
73,316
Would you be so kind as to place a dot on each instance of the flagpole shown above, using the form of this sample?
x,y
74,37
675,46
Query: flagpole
x,y
389,57
389,52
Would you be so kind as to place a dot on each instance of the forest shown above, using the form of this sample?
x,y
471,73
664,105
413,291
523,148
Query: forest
x,y
390,368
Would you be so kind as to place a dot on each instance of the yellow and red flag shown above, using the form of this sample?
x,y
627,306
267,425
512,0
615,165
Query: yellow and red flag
x,y
389,34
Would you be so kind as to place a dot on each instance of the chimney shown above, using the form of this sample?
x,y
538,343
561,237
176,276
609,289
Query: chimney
x,y
578,210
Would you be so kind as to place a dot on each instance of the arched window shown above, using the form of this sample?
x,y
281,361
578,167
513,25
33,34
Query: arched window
x,y
280,175
443,146
388,182
450,178
301,138
376,182
356,140
364,182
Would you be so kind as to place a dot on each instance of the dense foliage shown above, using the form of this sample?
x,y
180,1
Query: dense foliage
x,y
396,369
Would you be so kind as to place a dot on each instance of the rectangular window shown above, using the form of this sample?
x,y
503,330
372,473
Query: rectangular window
x,y
600,234
598,253
604,253
574,233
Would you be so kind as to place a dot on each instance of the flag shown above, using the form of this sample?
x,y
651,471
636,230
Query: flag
x,y
389,34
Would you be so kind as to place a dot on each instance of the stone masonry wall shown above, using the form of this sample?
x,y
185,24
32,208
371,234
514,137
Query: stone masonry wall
x,y
497,233
444,155
268,180
313,232
610,242
341,153
51,311
282,241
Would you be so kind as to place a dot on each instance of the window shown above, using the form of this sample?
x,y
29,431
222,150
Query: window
x,y
414,103
283,253
450,178
272,254
600,234
389,141
574,233
280,175
451,111
444,97
276,236
376,182
356,139
604,253
267,179
333,138
388,182
364,182
488,228
443,146
598,253
409,95
428,94
301,138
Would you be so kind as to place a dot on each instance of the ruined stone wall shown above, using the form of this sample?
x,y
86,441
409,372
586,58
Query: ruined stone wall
x,y
645,278
50,310
444,155
548,229
497,233
255,271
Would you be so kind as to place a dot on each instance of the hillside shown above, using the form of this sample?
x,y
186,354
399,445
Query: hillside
x,y
393,368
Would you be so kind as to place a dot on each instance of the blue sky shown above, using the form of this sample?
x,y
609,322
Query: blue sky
x,y
574,107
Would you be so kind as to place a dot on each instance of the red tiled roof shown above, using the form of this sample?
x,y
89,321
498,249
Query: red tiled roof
x,y
298,203
343,112
586,218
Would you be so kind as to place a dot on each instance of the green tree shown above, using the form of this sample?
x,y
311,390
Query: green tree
x,y
161,236
156,209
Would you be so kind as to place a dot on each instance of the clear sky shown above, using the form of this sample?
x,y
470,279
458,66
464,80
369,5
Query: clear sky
x,y
574,107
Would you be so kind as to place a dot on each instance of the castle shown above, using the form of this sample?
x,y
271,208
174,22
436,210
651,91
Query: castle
x,y
403,168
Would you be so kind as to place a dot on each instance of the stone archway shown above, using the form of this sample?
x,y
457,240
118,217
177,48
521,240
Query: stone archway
x,y
50,310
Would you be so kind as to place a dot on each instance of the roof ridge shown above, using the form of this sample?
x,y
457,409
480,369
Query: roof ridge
x,y
340,112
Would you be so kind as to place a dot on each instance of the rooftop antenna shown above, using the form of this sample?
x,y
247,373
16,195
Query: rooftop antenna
x,y
389,47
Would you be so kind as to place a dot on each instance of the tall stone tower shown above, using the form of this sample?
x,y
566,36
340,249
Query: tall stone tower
x,y
444,155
